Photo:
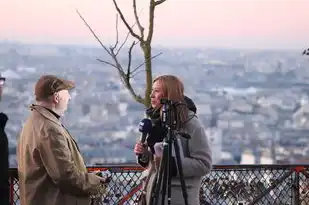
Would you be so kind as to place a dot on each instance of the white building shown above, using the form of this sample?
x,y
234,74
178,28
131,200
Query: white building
x,y
215,140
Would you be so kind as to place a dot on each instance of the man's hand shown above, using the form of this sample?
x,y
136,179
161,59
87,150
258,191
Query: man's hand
x,y
105,175
106,180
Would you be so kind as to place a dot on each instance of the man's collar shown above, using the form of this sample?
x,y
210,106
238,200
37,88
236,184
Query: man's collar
x,y
46,113
54,113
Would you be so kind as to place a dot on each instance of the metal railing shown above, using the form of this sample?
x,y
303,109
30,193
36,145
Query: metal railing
x,y
239,184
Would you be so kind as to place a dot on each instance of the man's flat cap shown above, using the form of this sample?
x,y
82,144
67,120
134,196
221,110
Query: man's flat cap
x,y
47,85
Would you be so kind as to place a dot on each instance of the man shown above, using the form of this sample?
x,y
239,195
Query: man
x,y
4,155
50,167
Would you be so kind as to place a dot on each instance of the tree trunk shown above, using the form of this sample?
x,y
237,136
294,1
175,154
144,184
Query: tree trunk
x,y
148,69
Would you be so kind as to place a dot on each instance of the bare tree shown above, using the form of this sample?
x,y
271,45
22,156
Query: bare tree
x,y
306,52
126,73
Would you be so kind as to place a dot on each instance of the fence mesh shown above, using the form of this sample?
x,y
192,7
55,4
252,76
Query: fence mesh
x,y
226,185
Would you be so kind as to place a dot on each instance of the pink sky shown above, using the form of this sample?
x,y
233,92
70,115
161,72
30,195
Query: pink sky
x,y
212,23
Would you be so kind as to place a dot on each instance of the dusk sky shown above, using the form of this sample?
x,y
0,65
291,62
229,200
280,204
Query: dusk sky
x,y
210,23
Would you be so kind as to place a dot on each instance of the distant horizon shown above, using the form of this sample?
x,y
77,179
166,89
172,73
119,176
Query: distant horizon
x,y
84,45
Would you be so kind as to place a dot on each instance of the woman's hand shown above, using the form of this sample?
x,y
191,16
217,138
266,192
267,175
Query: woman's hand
x,y
139,148
158,147
157,161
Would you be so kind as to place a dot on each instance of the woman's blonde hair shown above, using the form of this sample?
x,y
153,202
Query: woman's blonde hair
x,y
173,89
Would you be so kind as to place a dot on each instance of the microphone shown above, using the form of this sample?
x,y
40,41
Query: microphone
x,y
145,127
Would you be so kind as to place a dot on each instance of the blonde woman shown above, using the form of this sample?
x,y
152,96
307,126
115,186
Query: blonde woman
x,y
195,152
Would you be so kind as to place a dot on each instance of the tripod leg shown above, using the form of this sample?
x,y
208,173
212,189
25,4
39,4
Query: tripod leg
x,y
169,191
157,186
166,153
161,173
179,166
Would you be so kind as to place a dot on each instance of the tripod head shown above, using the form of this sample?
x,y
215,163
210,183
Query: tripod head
x,y
167,105
169,113
169,116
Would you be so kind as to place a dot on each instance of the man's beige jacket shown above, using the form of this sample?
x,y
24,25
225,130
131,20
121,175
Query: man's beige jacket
x,y
50,167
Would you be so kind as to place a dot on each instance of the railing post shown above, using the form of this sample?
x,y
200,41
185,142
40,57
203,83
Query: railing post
x,y
296,189
11,179
295,186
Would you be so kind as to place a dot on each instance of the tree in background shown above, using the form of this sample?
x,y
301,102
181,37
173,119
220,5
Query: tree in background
x,y
126,73
306,52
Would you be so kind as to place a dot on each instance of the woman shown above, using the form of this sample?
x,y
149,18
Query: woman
x,y
195,152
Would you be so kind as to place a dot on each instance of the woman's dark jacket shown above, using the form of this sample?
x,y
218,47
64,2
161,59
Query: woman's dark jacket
x,y
158,133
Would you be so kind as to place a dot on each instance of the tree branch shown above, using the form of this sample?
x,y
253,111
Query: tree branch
x,y
152,7
159,2
93,33
125,40
125,76
126,23
141,28
135,69
130,60
136,73
106,62
118,65
151,20
123,43
117,33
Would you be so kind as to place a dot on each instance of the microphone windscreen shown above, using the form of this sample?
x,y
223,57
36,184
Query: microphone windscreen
x,y
145,125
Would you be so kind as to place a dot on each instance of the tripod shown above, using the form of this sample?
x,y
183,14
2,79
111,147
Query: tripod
x,y
163,177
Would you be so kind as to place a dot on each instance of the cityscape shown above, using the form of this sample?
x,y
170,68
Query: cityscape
x,y
253,103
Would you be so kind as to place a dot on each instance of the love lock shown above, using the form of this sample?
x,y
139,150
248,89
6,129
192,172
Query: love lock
x,y
241,203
